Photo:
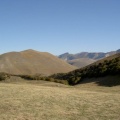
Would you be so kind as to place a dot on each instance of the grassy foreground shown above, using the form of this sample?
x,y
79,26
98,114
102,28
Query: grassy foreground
x,y
53,101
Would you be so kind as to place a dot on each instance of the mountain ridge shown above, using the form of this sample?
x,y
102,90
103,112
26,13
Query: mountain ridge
x,y
85,58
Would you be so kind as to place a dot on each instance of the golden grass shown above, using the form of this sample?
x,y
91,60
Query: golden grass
x,y
52,101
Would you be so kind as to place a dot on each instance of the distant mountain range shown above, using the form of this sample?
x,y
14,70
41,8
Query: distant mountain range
x,y
33,62
85,58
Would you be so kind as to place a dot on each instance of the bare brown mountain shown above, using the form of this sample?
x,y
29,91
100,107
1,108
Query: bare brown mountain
x,y
33,62
81,62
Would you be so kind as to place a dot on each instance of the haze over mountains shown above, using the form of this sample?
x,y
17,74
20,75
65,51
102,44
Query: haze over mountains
x,y
32,62
85,58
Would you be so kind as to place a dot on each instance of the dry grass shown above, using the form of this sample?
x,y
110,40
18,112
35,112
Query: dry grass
x,y
52,101
32,62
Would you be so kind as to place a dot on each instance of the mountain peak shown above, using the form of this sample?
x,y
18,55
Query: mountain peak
x,y
29,50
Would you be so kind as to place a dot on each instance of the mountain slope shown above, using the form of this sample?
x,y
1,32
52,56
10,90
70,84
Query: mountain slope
x,y
32,62
81,62
105,67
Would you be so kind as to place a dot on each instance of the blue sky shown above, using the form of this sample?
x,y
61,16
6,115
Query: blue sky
x,y
59,26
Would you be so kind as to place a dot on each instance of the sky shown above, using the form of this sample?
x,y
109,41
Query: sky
x,y
59,26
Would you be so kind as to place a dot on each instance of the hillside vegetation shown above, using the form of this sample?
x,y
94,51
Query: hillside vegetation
x,y
4,76
105,67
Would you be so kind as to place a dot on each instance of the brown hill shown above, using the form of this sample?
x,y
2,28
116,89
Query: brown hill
x,y
81,62
32,62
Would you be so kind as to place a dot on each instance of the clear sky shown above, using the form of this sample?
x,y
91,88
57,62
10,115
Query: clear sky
x,y
59,26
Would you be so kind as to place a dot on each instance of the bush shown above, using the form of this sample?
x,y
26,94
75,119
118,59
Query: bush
x,y
32,77
4,76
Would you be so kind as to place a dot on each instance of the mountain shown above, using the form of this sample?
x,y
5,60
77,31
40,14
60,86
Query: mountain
x,y
107,67
32,62
85,58
94,55
81,62
118,51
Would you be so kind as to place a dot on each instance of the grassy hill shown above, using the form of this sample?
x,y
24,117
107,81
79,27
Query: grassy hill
x,y
105,67
32,62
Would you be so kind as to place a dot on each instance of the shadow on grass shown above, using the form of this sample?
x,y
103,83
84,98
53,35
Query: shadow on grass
x,y
107,81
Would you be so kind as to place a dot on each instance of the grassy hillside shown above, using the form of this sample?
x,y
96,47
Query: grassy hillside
x,y
32,62
53,101
101,68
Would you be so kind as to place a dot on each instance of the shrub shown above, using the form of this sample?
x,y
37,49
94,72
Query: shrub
x,y
4,76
